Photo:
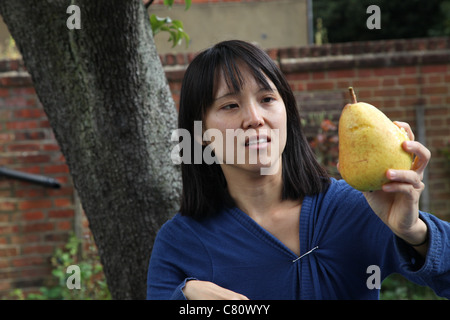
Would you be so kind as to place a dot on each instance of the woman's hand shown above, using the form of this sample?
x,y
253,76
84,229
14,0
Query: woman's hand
x,y
397,204
205,290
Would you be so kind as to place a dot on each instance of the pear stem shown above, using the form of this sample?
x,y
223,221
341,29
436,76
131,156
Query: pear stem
x,y
352,95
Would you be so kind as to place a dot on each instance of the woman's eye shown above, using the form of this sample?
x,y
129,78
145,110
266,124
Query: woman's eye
x,y
267,99
230,106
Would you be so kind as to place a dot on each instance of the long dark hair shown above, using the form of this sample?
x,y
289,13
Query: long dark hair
x,y
204,185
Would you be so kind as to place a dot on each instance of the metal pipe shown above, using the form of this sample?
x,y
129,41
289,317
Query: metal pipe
x,y
28,177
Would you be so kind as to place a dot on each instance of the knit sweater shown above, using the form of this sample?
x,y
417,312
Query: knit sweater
x,y
345,250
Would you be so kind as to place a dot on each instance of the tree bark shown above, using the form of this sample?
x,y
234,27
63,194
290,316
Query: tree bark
x,y
105,93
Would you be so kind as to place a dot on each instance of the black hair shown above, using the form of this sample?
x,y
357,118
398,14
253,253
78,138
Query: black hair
x,y
204,185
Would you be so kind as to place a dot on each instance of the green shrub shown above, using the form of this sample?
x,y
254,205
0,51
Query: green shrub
x,y
92,281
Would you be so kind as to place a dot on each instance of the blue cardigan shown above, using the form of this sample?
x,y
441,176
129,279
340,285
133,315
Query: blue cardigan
x,y
344,248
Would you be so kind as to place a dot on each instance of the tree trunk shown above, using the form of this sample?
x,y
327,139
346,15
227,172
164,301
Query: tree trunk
x,y
107,99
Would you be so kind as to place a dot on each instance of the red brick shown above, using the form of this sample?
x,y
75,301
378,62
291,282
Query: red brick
x,y
30,135
363,94
33,169
62,168
5,218
61,214
16,81
388,82
6,137
170,59
320,85
4,92
318,75
387,71
31,216
5,115
23,239
64,202
50,147
435,90
388,92
8,229
298,76
31,193
411,91
273,54
435,122
20,125
39,227
27,261
63,191
435,78
366,83
23,147
434,69
5,286
38,249
35,204
409,70
37,158
24,91
64,225
341,74
30,113
412,101
8,252
365,73
413,80
435,100
44,124
437,111
7,206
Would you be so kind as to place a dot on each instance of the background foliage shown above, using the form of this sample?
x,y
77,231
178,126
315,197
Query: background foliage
x,y
345,20
92,279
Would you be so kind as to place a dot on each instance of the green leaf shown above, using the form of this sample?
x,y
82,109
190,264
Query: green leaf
x,y
168,3
178,24
188,4
173,27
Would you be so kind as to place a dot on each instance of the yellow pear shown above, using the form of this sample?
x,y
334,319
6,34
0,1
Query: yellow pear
x,y
369,144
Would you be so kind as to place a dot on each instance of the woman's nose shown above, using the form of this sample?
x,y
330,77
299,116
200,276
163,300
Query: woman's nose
x,y
252,116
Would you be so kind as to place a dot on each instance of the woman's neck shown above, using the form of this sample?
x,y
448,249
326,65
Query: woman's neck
x,y
255,194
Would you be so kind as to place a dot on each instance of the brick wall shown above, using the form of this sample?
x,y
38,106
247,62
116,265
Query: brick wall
x,y
33,219
397,76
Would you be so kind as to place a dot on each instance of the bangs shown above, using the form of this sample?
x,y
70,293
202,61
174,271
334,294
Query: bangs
x,y
227,62
230,69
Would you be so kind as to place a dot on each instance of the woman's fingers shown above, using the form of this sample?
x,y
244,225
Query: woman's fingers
x,y
409,181
407,128
422,155
403,181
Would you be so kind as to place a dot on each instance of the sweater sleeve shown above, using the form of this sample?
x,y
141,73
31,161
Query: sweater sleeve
x,y
177,256
433,270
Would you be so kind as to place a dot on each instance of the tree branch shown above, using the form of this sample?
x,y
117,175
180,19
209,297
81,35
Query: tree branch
x,y
147,3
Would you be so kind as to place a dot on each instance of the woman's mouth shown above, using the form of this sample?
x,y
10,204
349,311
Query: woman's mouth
x,y
257,142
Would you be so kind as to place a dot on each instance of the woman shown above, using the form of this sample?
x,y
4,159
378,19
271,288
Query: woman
x,y
294,233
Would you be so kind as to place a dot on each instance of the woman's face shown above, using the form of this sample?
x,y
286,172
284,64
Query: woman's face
x,y
248,127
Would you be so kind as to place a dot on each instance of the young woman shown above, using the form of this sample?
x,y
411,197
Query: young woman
x,y
294,233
